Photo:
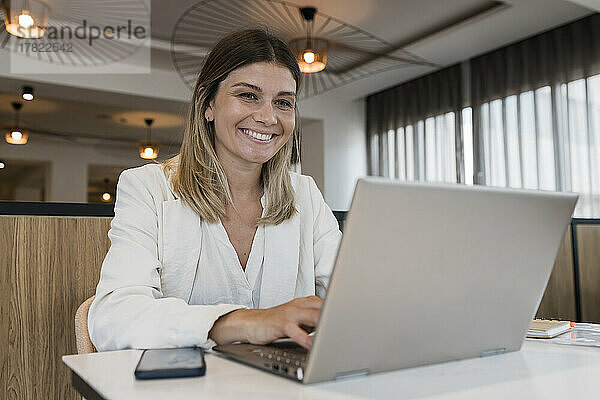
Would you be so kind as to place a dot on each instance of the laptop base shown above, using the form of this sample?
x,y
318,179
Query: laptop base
x,y
285,358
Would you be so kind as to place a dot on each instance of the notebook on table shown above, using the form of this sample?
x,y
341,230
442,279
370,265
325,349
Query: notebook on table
x,y
547,329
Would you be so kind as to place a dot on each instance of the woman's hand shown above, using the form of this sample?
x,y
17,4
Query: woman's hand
x,y
264,326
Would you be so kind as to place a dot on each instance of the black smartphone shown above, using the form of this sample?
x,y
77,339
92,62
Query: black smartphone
x,y
171,363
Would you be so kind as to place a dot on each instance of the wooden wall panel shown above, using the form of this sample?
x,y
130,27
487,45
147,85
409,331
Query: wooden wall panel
x,y
7,257
52,265
559,298
588,252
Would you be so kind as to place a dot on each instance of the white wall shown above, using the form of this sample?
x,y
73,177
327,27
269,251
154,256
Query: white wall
x,y
67,179
345,146
163,81
313,151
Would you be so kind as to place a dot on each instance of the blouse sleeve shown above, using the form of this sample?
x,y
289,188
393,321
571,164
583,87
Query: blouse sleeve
x,y
326,239
130,309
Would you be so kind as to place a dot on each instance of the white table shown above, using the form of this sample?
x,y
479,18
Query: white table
x,y
539,371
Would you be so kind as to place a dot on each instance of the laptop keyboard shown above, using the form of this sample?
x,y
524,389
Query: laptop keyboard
x,y
283,358
292,356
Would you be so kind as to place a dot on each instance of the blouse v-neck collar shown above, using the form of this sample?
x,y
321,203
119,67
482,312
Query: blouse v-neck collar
x,y
257,250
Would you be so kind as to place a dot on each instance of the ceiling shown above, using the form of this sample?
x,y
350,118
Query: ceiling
x,y
591,4
441,31
395,21
60,116
353,53
451,44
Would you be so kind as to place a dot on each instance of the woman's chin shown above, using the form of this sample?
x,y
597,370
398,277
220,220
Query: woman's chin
x,y
255,154
257,158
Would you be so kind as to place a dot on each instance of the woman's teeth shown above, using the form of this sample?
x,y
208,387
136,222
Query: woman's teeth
x,y
257,135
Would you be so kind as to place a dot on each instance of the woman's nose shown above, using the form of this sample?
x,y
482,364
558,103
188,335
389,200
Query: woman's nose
x,y
266,114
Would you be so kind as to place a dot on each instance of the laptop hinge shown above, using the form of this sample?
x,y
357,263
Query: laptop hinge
x,y
492,352
352,374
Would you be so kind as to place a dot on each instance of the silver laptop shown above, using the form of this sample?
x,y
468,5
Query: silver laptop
x,y
425,274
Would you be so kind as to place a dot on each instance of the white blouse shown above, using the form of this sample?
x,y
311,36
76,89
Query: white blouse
x,y
220,278
168,275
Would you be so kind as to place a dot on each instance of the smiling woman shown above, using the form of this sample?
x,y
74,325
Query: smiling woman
x,y
249,81
253,119
222,243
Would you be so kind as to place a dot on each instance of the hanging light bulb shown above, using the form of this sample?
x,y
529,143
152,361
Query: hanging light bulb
x,y
148,150
106,196
25,18
16,135
308,56
27,93
310,52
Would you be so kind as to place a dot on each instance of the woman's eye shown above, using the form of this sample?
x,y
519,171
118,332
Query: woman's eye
x,y
285,103
248,96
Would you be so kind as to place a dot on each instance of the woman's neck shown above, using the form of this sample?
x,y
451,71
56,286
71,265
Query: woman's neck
x,y
244,178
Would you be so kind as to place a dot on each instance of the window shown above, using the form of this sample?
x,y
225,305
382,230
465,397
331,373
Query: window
x,y
467,130
426,151
547,139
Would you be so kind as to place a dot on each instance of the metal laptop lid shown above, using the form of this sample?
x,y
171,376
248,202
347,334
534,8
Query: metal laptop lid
x,y
431,273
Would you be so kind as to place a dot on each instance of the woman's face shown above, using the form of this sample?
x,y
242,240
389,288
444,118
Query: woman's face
x,y
253,113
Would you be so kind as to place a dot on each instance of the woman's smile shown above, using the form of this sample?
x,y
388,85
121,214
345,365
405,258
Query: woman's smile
x,y
258,136
254,112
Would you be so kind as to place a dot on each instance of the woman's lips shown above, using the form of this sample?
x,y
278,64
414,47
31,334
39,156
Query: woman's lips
x,y
256,136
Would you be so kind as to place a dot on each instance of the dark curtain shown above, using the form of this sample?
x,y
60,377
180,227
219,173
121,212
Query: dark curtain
x,y
561,55
405,104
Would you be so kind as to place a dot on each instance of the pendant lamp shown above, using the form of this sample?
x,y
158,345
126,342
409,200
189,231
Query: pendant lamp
x,y
310,52
16,135
106,196
26,18
28,93
148,150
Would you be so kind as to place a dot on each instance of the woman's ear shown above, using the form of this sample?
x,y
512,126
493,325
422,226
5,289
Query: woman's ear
x,y
208,114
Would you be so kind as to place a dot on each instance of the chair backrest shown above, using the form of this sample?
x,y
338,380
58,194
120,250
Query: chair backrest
x,y
82,336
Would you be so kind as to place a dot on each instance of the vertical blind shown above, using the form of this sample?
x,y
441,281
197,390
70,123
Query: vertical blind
x,y
532,121
413,130
548,139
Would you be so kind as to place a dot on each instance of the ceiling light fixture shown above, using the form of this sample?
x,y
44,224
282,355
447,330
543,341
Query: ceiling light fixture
x,y
106,196
2,165
310,52
148,150
16,135
25,18
28,93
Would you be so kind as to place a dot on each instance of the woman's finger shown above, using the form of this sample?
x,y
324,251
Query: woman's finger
x,y
298,335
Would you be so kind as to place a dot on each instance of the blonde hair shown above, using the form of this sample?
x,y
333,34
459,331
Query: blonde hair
x,y
196,174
